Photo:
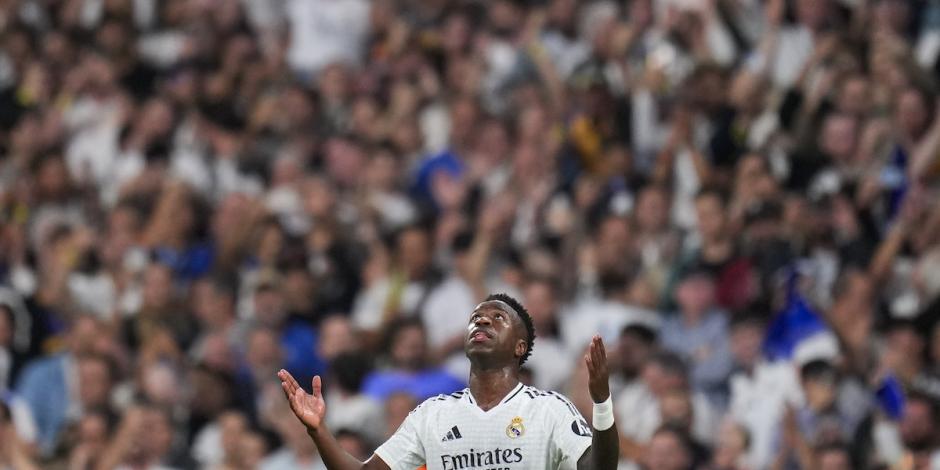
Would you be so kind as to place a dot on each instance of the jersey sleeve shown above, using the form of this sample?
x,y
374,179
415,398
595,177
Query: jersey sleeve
x,y
405,449
571,435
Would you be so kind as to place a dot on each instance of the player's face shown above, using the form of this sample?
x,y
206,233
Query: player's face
x,y
492,331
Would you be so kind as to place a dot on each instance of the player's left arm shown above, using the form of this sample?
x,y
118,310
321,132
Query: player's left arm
x,y
605,449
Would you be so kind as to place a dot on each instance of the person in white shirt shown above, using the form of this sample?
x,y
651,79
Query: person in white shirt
x,y
497,422
323,32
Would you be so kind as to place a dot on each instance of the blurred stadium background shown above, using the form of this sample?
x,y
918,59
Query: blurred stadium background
x,y
739,195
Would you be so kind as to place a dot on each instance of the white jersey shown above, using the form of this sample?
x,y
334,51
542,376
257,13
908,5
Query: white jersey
x,y
528,429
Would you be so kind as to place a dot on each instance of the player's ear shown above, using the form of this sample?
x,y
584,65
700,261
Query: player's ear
x,y
521,347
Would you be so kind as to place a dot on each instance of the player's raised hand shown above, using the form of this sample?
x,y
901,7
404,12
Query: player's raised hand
x,y
598,376
309,409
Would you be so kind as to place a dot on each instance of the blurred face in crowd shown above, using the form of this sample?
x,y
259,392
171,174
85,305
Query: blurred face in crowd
x,y
232,426
659,380
382,173
746,341
456,34
531,123
269,306
838,136
852,307
37,82
160,384
618,162
345,161
504,17
123,233
270,244
676,409
540,302
750,169
917,426
906,342
912,113
820,390
158,286
666,451
334,84
297,289
710,89
155,120
252,449
710,216
158,437
409,348
230,213
463,116
853,97
94,381
93,432
210,393
613,242
84,336
213,306
217,352
52,180
652,210
319,196
834,459
414,253
353,445
264,353
891,15
492,142
746,93
695,295
812,13
397,407
336,337
731,447
634,351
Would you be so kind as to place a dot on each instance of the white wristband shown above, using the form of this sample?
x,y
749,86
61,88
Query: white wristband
x,y
603,417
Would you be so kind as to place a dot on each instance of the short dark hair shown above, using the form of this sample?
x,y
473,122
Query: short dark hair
x,y
713,191
818,369
641,332
671,363
524,316
396,327
681,435
350,370
933,404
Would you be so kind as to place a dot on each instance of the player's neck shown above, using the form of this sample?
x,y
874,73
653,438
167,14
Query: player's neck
x,y
490,385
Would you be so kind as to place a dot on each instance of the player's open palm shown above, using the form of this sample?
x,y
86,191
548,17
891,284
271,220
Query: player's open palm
x,y
598,375
309,409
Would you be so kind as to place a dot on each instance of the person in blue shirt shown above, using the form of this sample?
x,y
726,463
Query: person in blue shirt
x,y
408,371
699,332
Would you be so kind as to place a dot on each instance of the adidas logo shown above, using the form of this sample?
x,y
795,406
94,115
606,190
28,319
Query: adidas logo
x,y
452,435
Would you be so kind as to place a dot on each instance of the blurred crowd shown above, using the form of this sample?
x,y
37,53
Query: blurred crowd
x,y
740,196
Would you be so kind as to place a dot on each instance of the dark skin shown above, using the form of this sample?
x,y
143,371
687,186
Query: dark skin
x,y
495,343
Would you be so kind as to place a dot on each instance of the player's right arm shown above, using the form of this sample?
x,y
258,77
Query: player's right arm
x,y
310,409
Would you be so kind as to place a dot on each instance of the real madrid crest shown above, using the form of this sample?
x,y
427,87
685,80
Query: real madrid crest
x,y
515,428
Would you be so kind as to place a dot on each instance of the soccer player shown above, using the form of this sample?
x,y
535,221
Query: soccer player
x,y
497,423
